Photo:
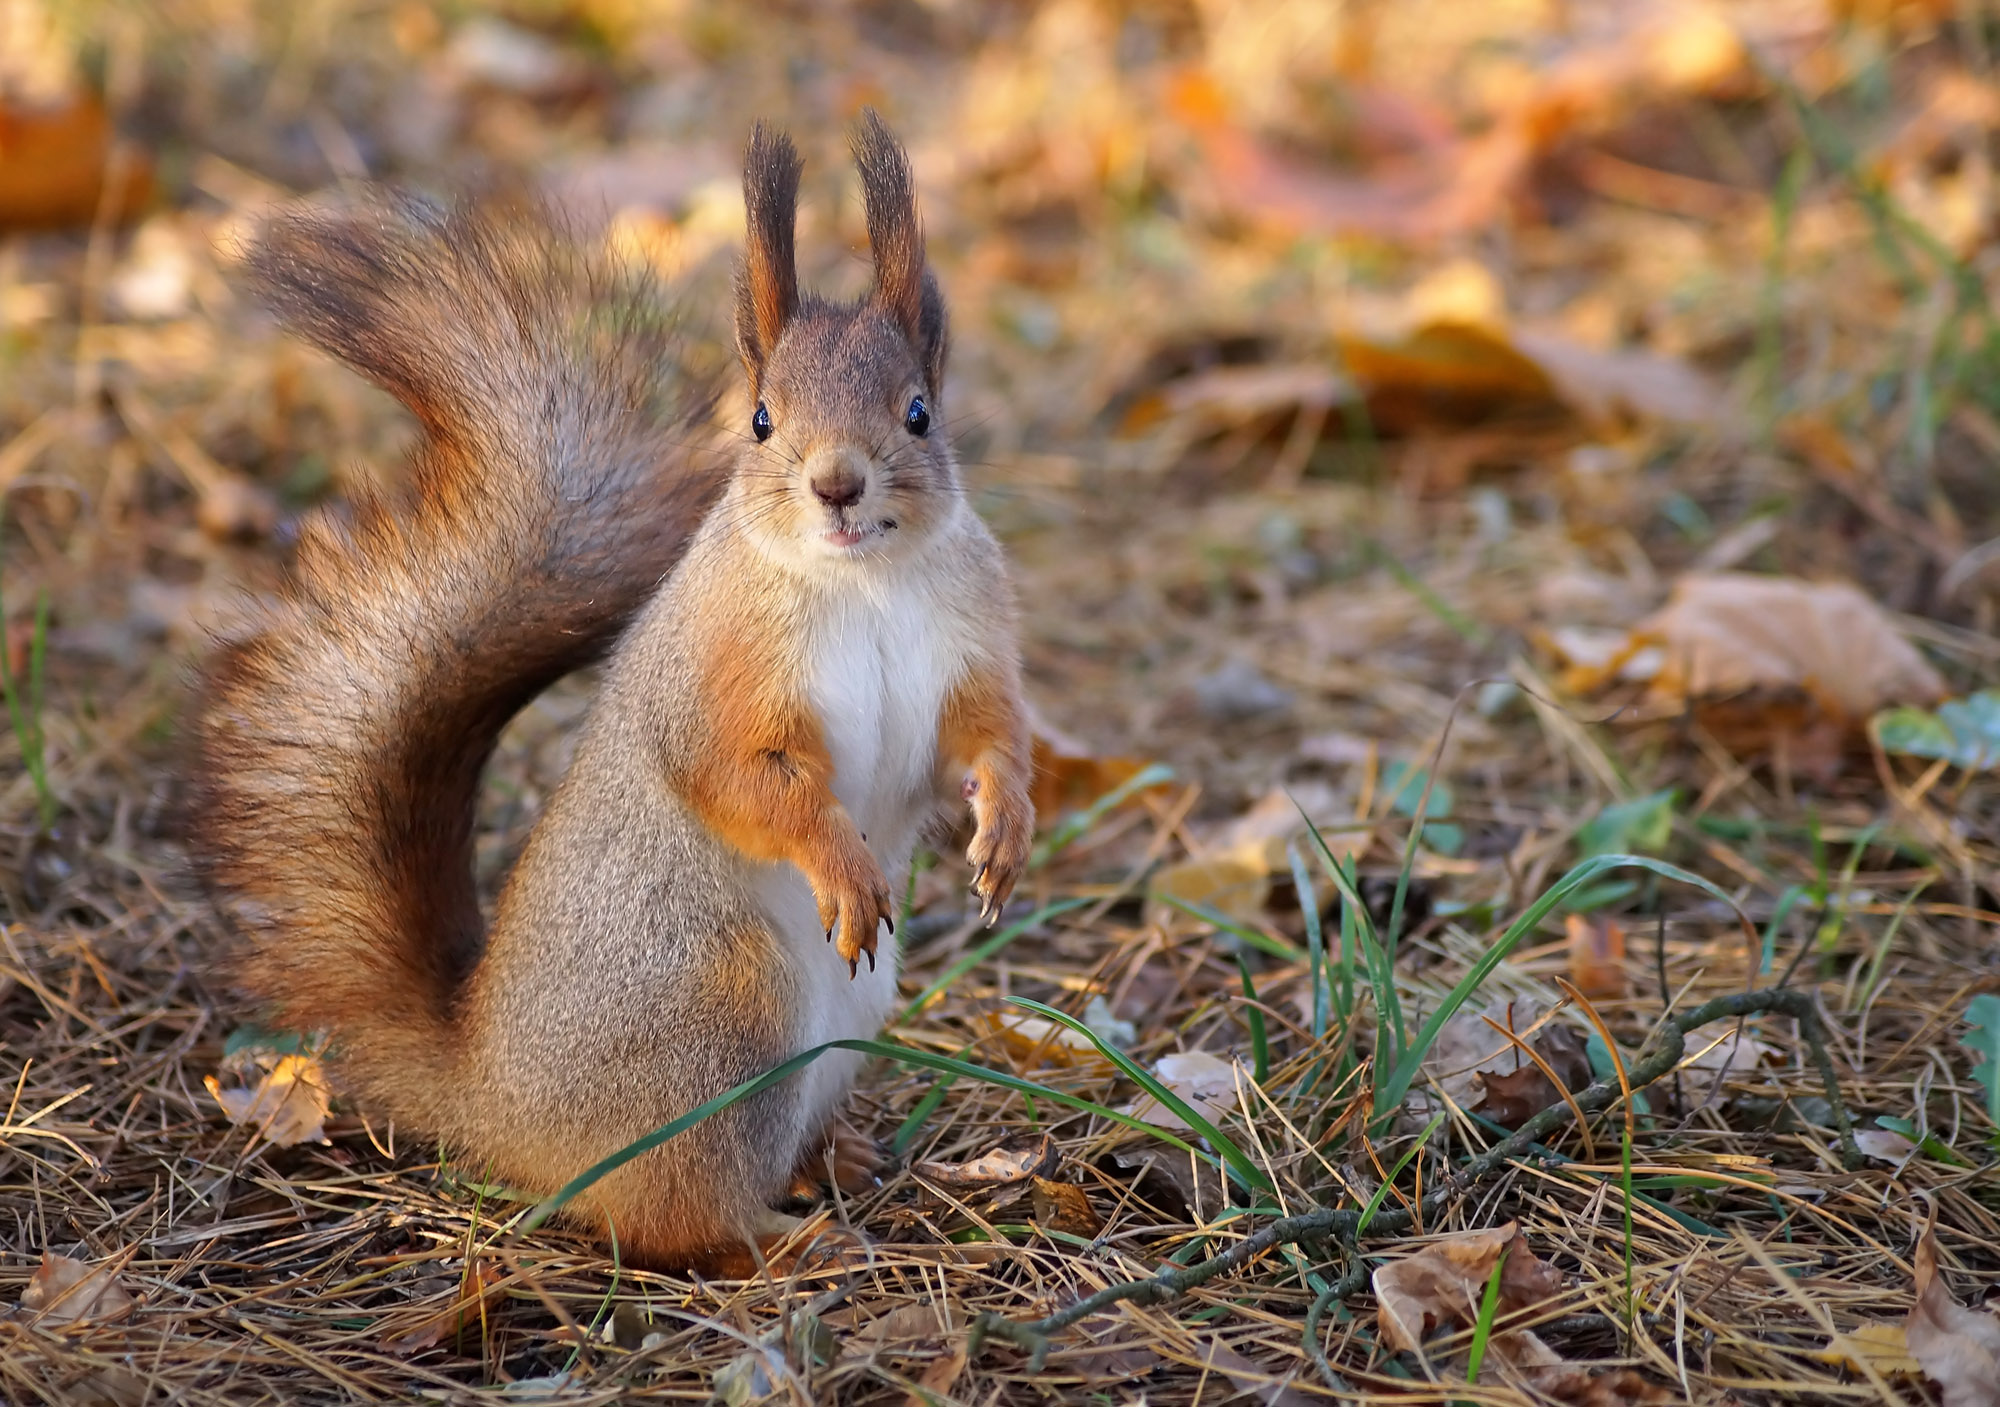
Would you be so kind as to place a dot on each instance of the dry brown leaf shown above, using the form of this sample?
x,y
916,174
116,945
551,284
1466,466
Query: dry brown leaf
x,y
1733,633
1478,1067
939,1378
1442,1284
287,1106
1063,1206
1013,1160
1456,352
417,1327
1958,1348
65,1291
54,161
1596,956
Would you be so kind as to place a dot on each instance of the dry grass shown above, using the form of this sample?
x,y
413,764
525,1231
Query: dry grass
x,y
1083,236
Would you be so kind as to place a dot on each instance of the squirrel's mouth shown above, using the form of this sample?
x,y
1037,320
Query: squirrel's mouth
x,y
845,536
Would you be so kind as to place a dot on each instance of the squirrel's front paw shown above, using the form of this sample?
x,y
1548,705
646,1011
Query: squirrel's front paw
x,y
853,904
999,852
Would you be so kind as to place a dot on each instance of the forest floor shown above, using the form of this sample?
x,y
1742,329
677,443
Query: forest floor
x,y
1549,447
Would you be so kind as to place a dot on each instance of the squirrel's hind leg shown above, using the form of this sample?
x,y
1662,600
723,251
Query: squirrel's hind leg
x,y
857,1159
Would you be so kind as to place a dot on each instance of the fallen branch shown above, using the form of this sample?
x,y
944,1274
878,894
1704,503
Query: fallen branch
x,y
1660,1058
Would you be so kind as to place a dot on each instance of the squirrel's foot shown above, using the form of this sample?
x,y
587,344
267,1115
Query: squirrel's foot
x,y
787,1246
853,905
999,851
856,1159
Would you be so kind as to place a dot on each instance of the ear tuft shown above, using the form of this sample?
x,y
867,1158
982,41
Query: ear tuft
x,y
903,287
767,287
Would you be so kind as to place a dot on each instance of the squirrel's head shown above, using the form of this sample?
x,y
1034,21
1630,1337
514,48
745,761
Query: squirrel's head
x,y
846,452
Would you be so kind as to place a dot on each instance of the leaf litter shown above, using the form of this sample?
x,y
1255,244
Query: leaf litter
x,y
1300,478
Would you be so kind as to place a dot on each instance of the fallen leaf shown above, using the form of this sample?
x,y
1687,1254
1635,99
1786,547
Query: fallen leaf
x,y
1513,1097
905,1324
1885,1144
1013,1160
1734,1053
938,1379
1237,886
1881,1346
1063,1206
55,161
65,1291
1068,778
1442,1284
1270,1386
1732,633
471,1297
1038,1039
1206,1082
288,1106
1958,1348
1596,956
1604,385
1469,1055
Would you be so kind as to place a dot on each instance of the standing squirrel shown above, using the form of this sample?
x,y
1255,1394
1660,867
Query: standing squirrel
x,y
810,655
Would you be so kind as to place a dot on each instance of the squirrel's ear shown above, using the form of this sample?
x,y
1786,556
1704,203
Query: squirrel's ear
x,y
904,288
767,286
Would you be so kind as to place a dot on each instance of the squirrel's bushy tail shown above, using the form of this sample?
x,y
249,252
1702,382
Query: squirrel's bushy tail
x,y
341,735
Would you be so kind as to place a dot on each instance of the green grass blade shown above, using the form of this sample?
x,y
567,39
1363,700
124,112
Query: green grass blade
x,y
985,950
902,1055
1237,1160
1315,940
1357,926
1260,1043
1375,1202
1482,1327
1389,1094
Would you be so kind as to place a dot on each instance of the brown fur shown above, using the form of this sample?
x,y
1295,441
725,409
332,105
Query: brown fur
x,y
341,736
983,738
652,948
767,289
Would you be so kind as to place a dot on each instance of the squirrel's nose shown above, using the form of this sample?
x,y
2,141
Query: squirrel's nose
x,y
838,488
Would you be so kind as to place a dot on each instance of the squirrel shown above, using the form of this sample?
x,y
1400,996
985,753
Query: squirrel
x,y
811,656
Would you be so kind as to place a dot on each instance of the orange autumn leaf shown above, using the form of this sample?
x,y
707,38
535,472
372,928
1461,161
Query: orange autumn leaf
x,y
1068,778
1596,956
55,160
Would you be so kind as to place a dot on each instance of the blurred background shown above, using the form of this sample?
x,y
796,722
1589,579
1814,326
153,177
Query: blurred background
x,y
1315,359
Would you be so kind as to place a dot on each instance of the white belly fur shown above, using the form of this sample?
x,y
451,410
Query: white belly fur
x,y
879,668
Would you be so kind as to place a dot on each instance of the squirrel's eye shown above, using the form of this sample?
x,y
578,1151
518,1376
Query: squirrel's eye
x,y
918,418
760,423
